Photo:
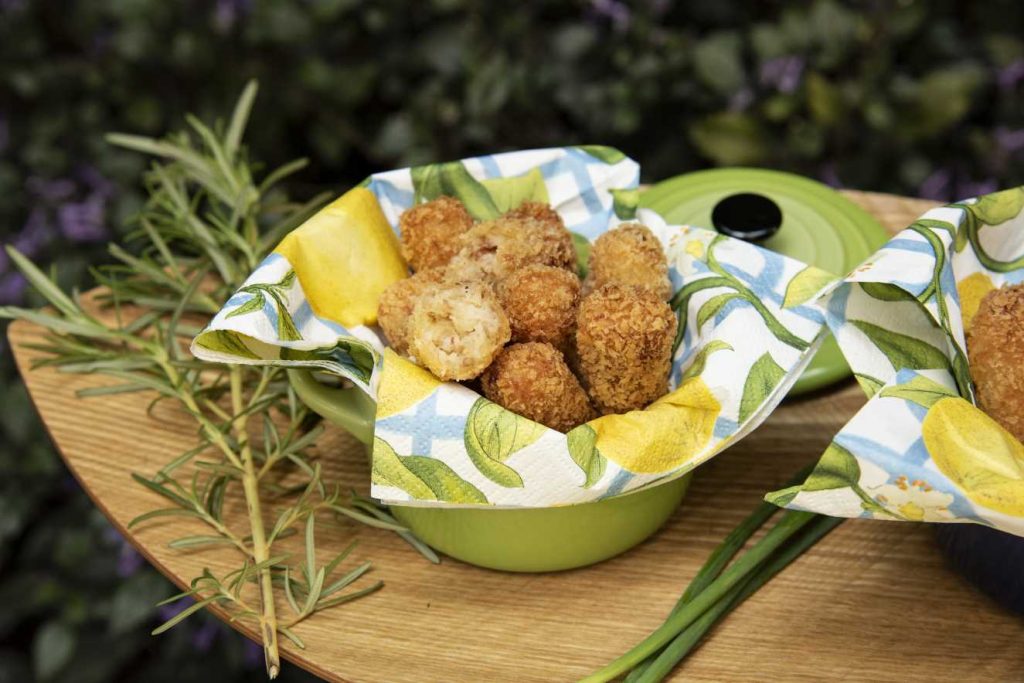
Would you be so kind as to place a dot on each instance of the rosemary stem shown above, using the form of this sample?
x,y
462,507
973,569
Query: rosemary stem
x,y
260,547
792,521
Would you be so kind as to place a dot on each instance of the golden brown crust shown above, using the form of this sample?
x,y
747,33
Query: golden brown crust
x,y
629,255
430,232
541,302
624,342
457,330
533,380
995,346
539,212
495,249
394,309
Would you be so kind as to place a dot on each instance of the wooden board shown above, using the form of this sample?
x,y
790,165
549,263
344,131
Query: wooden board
x,y
873,601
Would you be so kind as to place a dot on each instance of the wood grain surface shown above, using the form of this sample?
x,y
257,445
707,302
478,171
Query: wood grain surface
x,y
873,601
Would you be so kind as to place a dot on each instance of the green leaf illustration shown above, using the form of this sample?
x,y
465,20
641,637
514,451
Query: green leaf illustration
x,y
422,477
608,155
902,350
286,329
492,435
256,303
712,306
701,359
782,497
582,245
223,341
764,375
920,390
508,193
869,384
625,203
388,470
582,442
442,480
805,285
452,179
884,291
999,207
837,469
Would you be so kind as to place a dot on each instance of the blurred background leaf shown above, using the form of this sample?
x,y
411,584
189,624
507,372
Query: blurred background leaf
x,y
920,97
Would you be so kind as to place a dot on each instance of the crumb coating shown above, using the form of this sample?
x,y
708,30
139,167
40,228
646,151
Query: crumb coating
x,y
495,249
624,342
532,379
629,255
457,330
541,302
394,309
430,232
995,347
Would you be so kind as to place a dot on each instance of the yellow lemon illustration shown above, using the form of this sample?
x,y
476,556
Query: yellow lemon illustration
x,y
665,435
344,257
972,289
402,384
695,248
976,453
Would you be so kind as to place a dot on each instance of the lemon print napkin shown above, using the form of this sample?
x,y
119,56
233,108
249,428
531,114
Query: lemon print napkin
x,y
748,327
920,450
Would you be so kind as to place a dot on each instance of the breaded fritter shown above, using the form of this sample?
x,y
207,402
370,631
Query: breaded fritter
x,y
629,255
533,380
537,211
541,302
495,249
430,232
995,347
394,309
457,330
624,339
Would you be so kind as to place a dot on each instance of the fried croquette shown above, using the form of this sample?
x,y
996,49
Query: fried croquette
x,y
457,330
532,379
537,211
541,302
624,341
995,348
629,255
430,232
495,249
394,309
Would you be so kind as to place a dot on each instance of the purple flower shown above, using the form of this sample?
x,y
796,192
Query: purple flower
x,y
829,175
937,185
129,560
202,639
83,221
975,188
34,235
173,609
97,182
1009,140
782,73
227,12
1010,75
51,190
252,654
12,288
614,10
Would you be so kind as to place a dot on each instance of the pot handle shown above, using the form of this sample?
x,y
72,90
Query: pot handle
x,y
347,407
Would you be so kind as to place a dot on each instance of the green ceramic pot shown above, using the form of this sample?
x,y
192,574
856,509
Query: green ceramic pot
x,y
528,540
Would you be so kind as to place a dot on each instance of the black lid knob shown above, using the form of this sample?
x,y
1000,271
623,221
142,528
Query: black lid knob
x,y
747,216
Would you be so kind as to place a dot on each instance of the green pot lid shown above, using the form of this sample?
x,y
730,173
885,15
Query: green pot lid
x,y
819,227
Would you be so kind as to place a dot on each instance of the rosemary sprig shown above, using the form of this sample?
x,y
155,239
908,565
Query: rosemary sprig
x,y
207,223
